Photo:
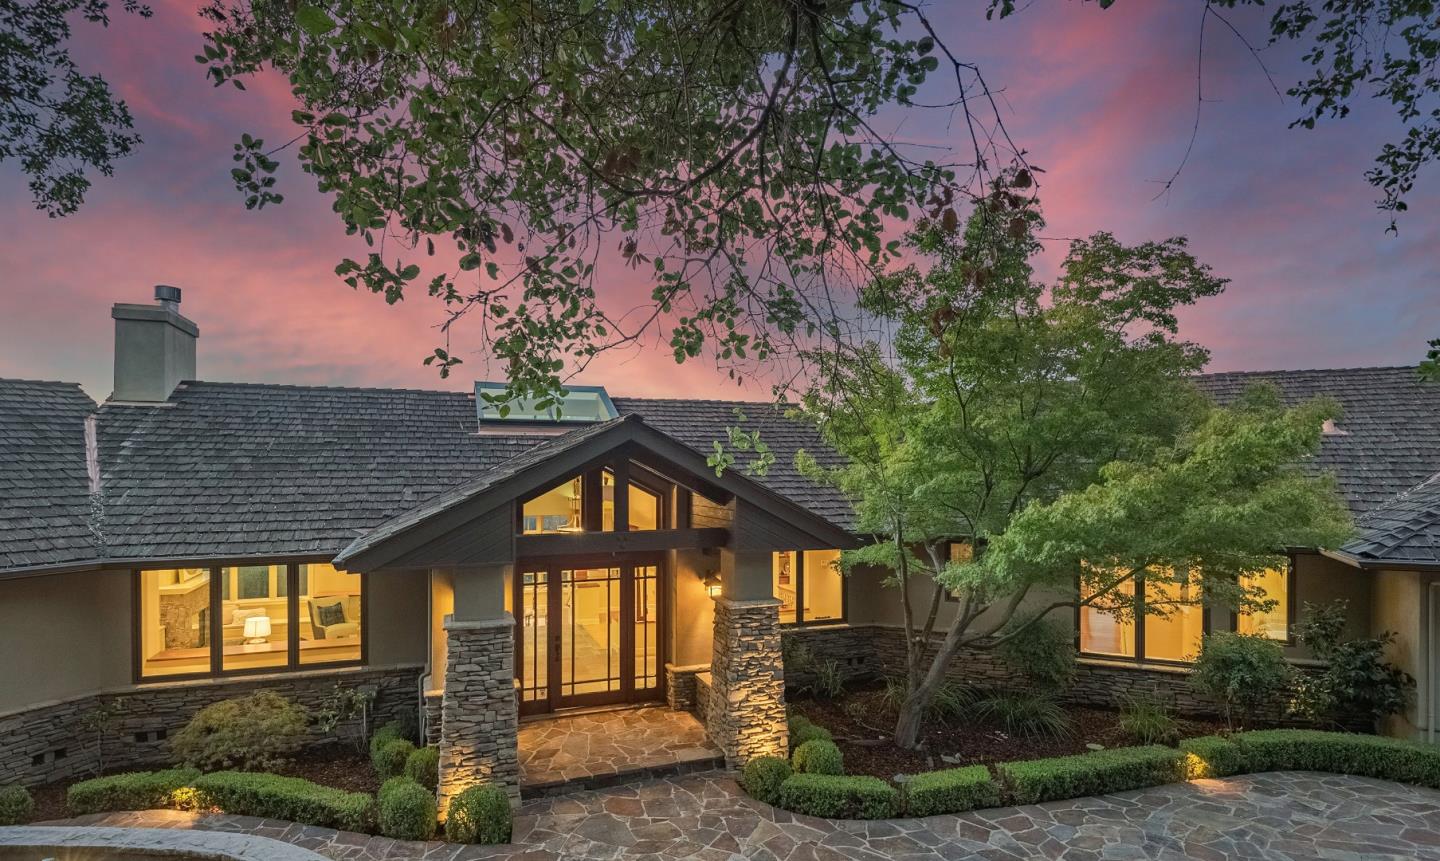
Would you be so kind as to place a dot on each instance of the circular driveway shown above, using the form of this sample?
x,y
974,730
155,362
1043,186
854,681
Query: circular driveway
x,y
1283,815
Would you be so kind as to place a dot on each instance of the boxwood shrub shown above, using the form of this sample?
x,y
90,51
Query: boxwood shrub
x,y
383,736
274,797
1096,773
405,810
952,790
802,730
762,777
136,790
839,796
479,814
1212,756
423,767
1342,753
16,805
818,756
390,759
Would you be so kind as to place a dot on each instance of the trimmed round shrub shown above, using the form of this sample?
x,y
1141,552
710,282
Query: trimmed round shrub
x,y
16,805
390,760
383,736
479,814
818,756
423,767
762,777
406,810
808,731
259,732
137,790
839,796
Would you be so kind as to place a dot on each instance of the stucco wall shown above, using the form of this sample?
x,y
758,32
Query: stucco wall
x,y
875,602
63,635
692,610
397,605
1399,604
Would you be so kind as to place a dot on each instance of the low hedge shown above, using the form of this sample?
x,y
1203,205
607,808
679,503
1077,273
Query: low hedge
x,y
136,790
479,814
405,810
16,805
1096,773
762,777
837,796
271,796
952,790
818,756
1212,756
1341,753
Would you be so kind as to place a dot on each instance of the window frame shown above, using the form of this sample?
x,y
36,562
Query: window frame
x,y
800,620
947,595
1140,616
216,624
592,516
1291,577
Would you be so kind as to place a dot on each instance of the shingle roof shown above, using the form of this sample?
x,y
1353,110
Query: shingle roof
x,y
1405,530
44,485
1391,425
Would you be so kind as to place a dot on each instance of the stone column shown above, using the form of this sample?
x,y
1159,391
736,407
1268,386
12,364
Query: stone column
x,y
480,718
745,712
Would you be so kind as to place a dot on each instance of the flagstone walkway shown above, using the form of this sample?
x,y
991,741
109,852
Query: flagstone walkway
x,y
600,748
1284,816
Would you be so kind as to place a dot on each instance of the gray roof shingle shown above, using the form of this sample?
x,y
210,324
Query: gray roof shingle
x,y
1406,530
44,484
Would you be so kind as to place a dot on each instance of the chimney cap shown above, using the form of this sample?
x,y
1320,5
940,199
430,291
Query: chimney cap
x,y
166,293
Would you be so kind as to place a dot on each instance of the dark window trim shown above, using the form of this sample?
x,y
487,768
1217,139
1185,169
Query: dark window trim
x,y
1291,578
1139,657
592,494
800,620
292,613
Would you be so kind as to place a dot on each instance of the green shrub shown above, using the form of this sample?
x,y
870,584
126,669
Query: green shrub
x,y
952,790
950,701
808,731
423,767
762,777
829,680
1356,679
138,790
259,732
406,810
1096,773
479,814
1241,673
1212,756
274,797
390,759
384,735
1146,720
839,797
818,756
1031,715
1342,753
16,805
1043,652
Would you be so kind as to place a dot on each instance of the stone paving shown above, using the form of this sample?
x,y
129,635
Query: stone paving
x,y
600,748
1283,816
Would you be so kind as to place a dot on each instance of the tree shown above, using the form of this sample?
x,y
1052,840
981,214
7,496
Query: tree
x,y
1055,428
725,150
57,123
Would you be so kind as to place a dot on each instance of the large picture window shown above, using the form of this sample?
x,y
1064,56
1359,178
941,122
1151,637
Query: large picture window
x,y
1275,622
246,618
1173,634
810,586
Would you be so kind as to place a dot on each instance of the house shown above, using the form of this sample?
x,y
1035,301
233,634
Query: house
x,y
187,541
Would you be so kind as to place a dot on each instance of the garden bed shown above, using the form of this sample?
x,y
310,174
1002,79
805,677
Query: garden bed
x,y
862,722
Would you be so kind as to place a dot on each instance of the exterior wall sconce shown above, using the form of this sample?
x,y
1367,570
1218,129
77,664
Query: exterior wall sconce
x,y
712,584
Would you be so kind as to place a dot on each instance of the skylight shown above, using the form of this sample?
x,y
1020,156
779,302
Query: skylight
x,y
580,405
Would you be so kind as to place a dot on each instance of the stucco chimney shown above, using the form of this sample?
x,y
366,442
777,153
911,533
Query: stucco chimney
x,y
154,348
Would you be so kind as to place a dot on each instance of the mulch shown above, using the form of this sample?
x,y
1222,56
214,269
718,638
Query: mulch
x,y
863,733
336,766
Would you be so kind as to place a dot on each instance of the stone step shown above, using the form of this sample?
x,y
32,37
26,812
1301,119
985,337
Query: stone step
x,y
620,777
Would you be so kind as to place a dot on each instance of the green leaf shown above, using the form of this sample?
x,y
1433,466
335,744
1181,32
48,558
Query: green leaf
x,y
314,20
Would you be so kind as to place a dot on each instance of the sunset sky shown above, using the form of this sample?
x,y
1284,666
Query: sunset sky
x,y
1103,100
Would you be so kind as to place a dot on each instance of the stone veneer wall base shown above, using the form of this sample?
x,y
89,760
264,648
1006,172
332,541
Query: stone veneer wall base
x,y
745,705
480,719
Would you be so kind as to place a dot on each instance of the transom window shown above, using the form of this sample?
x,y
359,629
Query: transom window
x,y
247,618
587,503
810,586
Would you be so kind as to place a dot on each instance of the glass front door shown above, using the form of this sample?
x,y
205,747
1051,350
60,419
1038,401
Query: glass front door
x,y
588,634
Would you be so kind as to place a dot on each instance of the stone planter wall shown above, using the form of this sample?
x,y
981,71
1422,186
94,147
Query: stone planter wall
x,y
49,742
680,686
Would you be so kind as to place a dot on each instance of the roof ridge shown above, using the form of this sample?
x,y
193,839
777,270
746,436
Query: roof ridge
x,y
42,382
322,387
1309,370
